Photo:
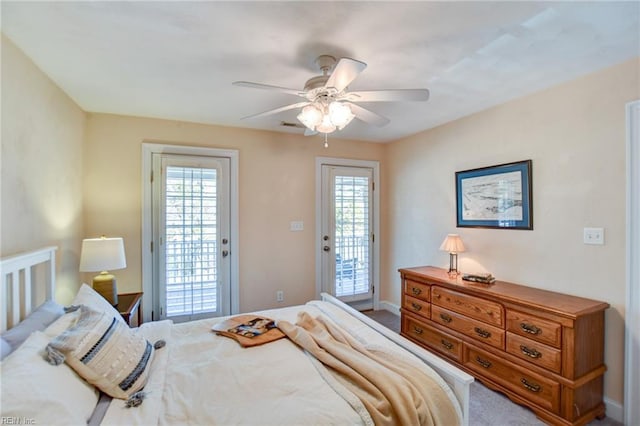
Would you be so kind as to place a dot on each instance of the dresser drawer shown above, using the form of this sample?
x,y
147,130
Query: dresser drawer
x,y
540,390
535,352
480,331
447,345
416,306
471,306
535,328
416,289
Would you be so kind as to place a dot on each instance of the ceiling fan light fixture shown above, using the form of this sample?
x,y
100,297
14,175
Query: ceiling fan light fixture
x,y
326,126
340,114
310,116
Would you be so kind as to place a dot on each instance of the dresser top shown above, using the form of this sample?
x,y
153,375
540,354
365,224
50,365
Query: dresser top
x,y
558,303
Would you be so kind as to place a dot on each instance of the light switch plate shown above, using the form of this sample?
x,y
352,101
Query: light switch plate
x,y
594,236
297,225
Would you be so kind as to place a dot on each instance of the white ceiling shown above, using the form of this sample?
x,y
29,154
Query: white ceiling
x,y
177,60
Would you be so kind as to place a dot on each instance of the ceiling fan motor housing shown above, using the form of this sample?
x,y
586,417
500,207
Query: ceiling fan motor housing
x,y
326,63
315,86
315,83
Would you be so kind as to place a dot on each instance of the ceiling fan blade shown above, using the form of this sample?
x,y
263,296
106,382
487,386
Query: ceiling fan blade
x,y
269,87
368,116
344,73
277,110
388,95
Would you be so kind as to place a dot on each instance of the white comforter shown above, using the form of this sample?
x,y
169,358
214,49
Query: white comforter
x,y
201,378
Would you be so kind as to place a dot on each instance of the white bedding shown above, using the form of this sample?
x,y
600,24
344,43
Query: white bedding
x,y
203,378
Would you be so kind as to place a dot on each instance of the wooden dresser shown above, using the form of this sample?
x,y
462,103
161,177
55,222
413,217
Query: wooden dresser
x,y
542,349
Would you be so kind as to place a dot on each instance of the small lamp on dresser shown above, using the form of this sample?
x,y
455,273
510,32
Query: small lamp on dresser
x,y
453,244
103,255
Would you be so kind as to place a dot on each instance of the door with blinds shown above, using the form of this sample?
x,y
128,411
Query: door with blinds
x,y
347,233
191,231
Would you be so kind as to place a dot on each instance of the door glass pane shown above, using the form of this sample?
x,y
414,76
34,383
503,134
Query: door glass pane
x,y
351,235
190,240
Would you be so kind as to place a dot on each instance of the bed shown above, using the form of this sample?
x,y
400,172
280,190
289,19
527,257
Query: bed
x,y
198,377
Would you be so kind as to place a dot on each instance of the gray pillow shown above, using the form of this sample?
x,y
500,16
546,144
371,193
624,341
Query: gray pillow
x,y
5,348
37,320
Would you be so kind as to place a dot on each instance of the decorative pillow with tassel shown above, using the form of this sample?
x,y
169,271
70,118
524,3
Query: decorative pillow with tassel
x,y
105,352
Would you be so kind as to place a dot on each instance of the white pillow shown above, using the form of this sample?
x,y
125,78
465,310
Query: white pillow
x,y
89,297
86,296
61,324
47,394
106,352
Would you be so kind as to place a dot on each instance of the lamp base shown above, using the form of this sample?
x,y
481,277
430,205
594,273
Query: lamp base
x,y
105,285
453,265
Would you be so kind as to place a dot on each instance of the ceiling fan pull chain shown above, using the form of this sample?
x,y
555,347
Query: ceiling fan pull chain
x,y
326,142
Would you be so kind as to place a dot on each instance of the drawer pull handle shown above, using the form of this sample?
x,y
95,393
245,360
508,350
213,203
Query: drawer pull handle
x,y
482,333
446,344
528,328
415,306
530,352
417,330
484,363
416,291
530,386
446,318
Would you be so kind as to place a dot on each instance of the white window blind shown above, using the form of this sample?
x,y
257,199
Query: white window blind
x,y
352,235
191,240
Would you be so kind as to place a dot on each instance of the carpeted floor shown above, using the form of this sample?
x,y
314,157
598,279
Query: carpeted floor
x,y
487,408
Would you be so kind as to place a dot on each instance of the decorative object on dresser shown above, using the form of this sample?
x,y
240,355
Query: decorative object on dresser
x,y
483,278
102,255
495,197
453,244
544,350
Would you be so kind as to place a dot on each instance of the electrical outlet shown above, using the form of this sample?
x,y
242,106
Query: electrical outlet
x,y
279,296
593,236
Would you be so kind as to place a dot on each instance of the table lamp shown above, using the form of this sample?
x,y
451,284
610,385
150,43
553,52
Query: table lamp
x,y
453,244
103,254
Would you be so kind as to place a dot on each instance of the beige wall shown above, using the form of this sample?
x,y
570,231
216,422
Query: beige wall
x,y
276,185
575,135
42,140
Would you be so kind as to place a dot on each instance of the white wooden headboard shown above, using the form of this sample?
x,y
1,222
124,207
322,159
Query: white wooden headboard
x,y
28,279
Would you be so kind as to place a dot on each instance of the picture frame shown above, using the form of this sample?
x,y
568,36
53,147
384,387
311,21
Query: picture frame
x,y
498,197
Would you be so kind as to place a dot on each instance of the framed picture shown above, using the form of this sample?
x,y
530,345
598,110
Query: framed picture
x,y
495,197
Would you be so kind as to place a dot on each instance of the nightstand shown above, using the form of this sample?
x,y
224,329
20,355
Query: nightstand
x,y
130,304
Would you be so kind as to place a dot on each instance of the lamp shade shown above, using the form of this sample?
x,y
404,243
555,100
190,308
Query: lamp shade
x,y
310,116
340,114
102,254
452,244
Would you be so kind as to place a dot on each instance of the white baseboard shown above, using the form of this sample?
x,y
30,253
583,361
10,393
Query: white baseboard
x,y
615,410
391,307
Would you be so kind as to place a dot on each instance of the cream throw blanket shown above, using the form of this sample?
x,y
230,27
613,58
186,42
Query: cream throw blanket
x,y
393,392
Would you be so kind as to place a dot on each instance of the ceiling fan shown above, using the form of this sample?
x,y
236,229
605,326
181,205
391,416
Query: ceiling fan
x,y
328,105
